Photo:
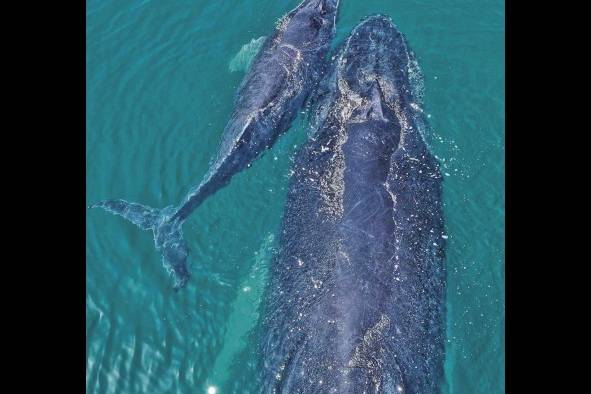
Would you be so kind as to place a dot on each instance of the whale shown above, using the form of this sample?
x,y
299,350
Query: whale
x,y
289,65
355,300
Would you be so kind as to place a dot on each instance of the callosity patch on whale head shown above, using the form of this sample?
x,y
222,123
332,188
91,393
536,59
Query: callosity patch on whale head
x,y
378,52
311,24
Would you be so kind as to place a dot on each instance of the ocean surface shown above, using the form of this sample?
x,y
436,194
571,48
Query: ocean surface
x,y
161,78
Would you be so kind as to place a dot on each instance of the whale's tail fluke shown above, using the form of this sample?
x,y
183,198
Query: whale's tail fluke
x,y
168,234
141,215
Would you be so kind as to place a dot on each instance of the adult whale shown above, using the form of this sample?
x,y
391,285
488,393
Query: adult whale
x,y
355,299
288,66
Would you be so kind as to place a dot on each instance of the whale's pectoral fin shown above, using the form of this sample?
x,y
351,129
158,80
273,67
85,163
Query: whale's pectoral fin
x,y
142,216
246,55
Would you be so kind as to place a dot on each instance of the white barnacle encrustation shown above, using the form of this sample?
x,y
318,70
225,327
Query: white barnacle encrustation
x,y
281,26
364,355
332,181
317,283
416,107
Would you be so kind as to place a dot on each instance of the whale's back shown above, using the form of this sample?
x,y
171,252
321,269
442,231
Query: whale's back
x,y
355,299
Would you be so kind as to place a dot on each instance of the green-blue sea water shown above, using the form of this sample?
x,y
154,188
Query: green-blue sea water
x,y
161,78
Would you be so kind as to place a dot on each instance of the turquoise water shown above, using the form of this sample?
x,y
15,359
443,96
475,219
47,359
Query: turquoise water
x,y
161,77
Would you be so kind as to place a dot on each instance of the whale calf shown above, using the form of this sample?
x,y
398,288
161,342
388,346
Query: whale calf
x,y
289,65
355,298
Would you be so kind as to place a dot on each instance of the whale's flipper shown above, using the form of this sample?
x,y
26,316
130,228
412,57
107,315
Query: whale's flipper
x,y
168,234
244,58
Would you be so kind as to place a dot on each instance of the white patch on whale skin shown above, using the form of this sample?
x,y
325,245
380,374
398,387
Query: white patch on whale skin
x,y
243,59
368,354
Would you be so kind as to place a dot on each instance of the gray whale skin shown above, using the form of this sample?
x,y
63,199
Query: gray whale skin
x,y
287,68
355,299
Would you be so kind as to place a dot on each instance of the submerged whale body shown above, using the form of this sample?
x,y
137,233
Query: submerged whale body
x,y
280,78
355,300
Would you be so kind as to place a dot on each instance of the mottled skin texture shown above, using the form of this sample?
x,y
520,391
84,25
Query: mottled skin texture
x,y
355,301
289,65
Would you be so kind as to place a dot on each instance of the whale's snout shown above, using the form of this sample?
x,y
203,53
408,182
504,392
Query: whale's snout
x,y
328,6
375,34
321,6
378,55
375,24
311,24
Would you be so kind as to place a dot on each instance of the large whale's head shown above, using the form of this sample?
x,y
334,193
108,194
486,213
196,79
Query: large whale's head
x,y
375,78
377,55
311,24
